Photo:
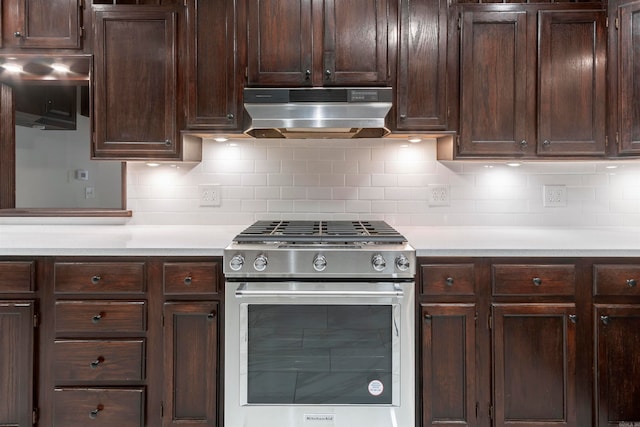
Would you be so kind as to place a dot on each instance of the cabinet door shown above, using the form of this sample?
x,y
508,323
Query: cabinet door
x,y
628,90
279,42
571,79
135,84
191,360
41,23
422,66
448,364
355,42
213,77
534,365
16,363
617,344
494,101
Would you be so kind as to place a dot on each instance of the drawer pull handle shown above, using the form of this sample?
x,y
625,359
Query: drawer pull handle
x,y
449,281
605,319
537,281
632,283
427,318
188,280
94,414
96,362
573,318
97,317
95,279
211,315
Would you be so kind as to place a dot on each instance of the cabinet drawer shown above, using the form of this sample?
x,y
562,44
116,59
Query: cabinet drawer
x,y
191,278
448,279
99,277
98,407
100,316
93,360
509,279
17,276
620,279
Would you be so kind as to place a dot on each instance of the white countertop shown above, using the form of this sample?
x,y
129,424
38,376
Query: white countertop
x,y
170,240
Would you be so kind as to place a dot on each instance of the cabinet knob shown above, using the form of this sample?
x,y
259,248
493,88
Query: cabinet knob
x,y
523,143
403,117
94,414
537,281
573,318
327,74
307,74
605,319
97,317
96,362
188,280
211,315
95,279
546,143
632,283
17,34
167,142
449,281
427,318
230,116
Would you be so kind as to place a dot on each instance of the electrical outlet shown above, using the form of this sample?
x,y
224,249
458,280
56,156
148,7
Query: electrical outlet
x,y
438,194
210,194
555,196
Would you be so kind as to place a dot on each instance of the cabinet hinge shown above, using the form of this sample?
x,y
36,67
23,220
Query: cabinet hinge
x,y
490,322
81,4
477,408
161,409
606,22
617,139
162,320
617,23
458,140
606,140
82,33
36,320
34,416
491,412
459,22
246,72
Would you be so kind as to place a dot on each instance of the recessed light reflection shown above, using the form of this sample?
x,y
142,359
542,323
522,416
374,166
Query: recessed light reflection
x,y
611,167
220,139
13,68
514,164
414,139
153,165
61,68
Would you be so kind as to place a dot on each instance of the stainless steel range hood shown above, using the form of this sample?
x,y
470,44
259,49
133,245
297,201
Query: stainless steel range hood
x,y
316,112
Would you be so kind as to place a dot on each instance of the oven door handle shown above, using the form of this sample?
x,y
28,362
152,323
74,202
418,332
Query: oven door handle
x,y
392,290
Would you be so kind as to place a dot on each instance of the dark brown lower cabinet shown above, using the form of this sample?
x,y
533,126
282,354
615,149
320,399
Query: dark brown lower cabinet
x,y
448,363
16,363
534,364
191,363
617,342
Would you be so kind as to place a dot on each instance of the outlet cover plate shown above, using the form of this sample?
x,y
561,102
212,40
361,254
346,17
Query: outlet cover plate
x,y
210,194
554,196
438,194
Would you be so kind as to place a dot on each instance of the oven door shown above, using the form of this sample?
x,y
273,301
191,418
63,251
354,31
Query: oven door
x,y
319,354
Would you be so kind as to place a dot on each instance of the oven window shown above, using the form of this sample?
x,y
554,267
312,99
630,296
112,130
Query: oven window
x,y
319,354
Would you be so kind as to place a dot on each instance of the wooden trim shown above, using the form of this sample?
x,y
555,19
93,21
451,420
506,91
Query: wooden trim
x,y
7,148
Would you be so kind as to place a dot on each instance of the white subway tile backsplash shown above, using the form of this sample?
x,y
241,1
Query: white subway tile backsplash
x,y
377,179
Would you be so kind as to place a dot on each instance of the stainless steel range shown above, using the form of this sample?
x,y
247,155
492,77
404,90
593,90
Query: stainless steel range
x,y
319,326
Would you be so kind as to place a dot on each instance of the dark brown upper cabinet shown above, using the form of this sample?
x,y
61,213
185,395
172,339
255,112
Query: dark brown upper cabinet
x,y
532,82
41,24
214,80
136,83
624,66
317,42
423,79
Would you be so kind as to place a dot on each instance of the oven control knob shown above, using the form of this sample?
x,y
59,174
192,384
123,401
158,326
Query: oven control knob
x,y
236,263
402,263
260,263
319,262
378,262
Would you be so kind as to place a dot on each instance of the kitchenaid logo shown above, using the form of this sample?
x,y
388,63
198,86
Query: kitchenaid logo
x,y
319,418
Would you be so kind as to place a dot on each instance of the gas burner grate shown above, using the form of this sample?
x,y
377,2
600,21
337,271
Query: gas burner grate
x,y
320,231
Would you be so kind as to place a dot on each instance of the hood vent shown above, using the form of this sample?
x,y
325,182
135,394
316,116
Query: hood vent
x,y
316,112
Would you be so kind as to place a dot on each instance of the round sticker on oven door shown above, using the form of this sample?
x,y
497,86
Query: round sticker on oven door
x,y
376,388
